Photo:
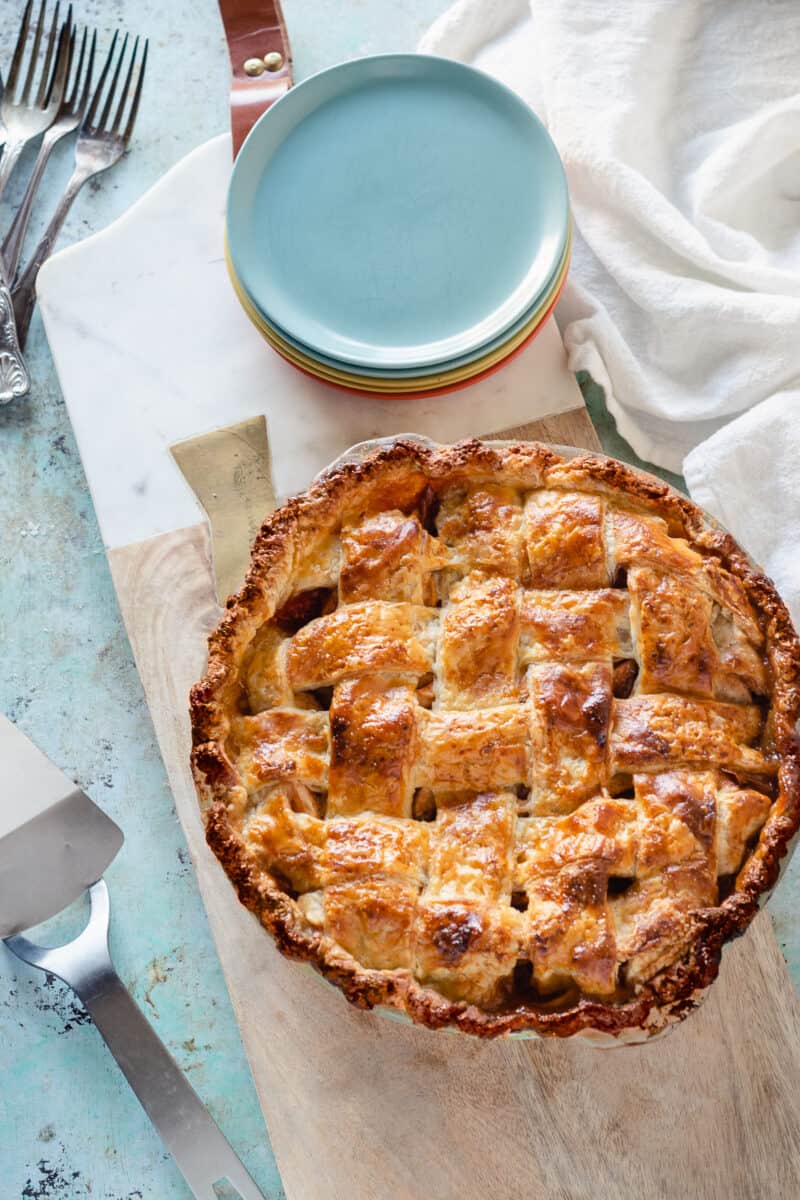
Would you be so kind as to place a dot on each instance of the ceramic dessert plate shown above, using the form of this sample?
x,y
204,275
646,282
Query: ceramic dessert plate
x,y
405,382
433,385
397,212
525,323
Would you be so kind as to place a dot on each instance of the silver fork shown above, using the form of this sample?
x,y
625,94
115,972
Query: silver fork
x,y
20,117
70,115
100,144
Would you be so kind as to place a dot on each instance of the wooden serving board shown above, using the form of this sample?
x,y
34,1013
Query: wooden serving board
x,y
361,1108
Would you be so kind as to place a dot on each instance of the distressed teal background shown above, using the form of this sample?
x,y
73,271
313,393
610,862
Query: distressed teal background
x,y
69,1127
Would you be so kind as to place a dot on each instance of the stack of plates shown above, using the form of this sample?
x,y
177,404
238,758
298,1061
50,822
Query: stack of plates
x,y
398,225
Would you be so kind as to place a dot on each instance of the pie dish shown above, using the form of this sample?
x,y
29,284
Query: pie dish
x,y
501,740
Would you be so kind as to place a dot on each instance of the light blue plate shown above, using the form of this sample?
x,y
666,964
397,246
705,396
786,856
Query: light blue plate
x,y
397,211
414,372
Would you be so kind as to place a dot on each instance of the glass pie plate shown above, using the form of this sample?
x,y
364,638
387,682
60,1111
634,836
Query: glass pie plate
x,y
594,1037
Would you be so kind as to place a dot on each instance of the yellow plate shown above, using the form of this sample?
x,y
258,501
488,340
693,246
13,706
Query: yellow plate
x,y
418,383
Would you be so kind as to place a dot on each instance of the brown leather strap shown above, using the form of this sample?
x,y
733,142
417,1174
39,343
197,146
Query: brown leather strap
x,y
255,29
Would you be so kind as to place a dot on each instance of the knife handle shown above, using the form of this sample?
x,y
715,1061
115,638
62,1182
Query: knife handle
x,y
14,379
261,60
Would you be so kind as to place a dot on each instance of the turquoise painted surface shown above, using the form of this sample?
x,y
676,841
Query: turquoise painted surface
x,y
69,1126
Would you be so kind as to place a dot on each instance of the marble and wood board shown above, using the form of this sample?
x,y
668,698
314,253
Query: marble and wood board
x,y
152,349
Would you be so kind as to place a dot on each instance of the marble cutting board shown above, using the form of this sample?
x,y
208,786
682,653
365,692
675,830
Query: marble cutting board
x,y
358,1106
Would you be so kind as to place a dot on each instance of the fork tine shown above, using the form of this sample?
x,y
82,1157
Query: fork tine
x,y
125,90
73,41
46,80
19,49
75,76
66,45
34,58
87,82
126,137
98,91
112,87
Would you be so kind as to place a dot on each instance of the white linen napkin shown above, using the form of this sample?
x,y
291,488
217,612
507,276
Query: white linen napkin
x,y
748,475
679,125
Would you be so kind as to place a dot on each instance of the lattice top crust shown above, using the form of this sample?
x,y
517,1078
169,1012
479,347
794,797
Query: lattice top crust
x,y
500,739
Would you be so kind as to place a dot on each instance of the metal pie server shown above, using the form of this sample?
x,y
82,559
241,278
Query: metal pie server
x,y
54,844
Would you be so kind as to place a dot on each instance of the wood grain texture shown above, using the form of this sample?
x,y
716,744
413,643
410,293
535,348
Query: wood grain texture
x,y
362,1108
573,428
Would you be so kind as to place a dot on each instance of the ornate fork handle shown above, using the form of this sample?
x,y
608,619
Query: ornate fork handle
x,y
12,246
11,153
25,286
14,379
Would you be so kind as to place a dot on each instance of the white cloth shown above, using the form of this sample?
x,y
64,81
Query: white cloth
x,y
748,475
679,125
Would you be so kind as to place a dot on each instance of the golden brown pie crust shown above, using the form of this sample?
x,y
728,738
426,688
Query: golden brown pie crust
x,y
599,641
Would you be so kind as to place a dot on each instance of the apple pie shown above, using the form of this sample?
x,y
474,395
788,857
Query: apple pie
x,y
503,740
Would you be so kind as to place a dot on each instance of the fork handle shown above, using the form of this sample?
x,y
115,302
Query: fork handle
x,y
14,379
11,153
12,246
24,290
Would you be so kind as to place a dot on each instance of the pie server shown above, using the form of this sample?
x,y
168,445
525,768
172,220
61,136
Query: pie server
x,y
54,844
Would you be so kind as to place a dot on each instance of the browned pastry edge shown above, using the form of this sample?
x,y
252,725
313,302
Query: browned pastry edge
x,y
668,996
